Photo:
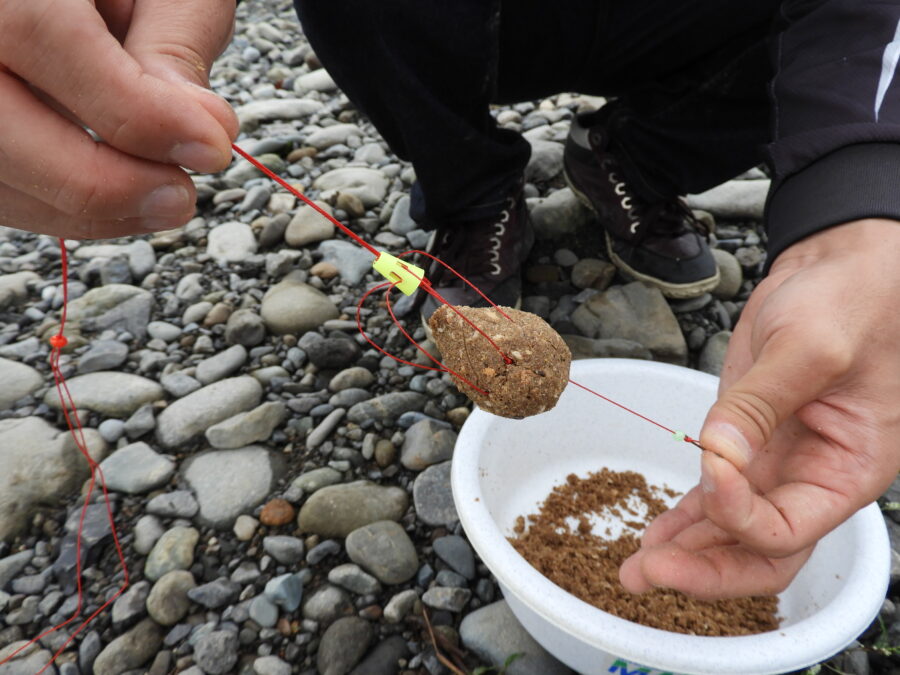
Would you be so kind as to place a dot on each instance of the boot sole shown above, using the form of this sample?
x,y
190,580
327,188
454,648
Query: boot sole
x,y
668,289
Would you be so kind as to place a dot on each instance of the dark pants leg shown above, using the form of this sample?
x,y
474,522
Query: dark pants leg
x,y
693,107
422,71
690,81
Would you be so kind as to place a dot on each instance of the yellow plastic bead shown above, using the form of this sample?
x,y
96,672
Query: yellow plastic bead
x,y
406,276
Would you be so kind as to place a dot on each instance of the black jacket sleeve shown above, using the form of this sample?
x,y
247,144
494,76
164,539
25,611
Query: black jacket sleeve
x,y
835,149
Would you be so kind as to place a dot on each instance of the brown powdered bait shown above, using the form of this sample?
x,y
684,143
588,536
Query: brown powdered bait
x,y
587,566
531,384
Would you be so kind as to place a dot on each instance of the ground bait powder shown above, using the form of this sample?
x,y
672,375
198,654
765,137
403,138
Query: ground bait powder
x,y
559,542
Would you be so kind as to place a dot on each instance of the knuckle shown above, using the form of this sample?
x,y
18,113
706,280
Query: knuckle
x,y
77,195
754,409
832,358
36,24
115,129
188,60
782,548
117,118
92,189
22,21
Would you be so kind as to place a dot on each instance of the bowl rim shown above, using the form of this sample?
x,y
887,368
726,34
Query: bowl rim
x,y
796,646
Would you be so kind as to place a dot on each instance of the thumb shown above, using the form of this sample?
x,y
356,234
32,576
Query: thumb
x,y
789,372
178,40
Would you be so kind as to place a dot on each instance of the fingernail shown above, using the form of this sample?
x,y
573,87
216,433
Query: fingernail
x,y
707,473
727,440
197,156
165,202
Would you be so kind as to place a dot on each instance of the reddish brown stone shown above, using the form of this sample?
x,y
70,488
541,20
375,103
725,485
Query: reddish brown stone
x,y
371,613
324,270
277,512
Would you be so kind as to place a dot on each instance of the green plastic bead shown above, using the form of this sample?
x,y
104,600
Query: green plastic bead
x,y
679,435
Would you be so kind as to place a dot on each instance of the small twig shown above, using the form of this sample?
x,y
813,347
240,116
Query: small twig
x,y
455,652
437,652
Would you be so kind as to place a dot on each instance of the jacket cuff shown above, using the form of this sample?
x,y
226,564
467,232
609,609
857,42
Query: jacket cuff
x,y
854,182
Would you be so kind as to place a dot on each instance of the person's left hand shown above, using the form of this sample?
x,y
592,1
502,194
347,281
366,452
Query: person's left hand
x,y
806,429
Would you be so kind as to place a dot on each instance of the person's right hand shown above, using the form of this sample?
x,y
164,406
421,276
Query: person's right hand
x,y
132,71
804,431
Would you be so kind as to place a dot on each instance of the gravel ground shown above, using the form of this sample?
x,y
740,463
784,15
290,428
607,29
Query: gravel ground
x,y
281,488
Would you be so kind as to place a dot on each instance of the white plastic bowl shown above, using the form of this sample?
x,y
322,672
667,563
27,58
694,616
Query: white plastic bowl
x,y
504,468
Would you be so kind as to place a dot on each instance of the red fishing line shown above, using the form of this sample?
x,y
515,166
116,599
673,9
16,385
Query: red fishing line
x,y
687,439
290,188
57,343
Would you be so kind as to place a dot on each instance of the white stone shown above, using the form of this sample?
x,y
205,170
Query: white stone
x,y
352,261
136,469
735,199
246,428
295,307
195,413
281,202
40,465
269,110
558,215
245,527
111,393
230,482
332,135
369,185
116,306
14,287
231,242
308,226
317,80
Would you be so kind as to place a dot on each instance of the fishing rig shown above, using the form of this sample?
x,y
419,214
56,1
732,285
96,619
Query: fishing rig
x,y
398,274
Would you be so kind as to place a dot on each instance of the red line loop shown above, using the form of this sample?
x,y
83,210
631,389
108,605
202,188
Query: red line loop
x,y
389,286
57,342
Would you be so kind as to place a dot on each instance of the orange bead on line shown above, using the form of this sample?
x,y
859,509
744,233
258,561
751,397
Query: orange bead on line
x,y
58,341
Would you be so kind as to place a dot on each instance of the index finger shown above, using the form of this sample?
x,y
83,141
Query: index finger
x,y
782,521
668,524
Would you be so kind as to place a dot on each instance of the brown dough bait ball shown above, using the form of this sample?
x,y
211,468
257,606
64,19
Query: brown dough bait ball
x,y
530,385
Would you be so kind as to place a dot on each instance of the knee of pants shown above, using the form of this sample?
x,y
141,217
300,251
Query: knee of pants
x,y
334,19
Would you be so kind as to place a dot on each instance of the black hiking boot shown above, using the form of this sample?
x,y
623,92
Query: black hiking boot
x,y
489,252
659,243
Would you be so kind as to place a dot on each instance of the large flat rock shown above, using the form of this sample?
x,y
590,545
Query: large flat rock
x,y
40,465
193,414
109,392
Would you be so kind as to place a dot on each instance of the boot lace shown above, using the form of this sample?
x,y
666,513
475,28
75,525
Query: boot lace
x,y
473,249
660,219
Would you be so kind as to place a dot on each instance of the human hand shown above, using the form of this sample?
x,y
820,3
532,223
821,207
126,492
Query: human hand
x,y
805,429
133,71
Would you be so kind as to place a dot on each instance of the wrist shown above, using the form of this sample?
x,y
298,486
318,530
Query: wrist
x,y
865,237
